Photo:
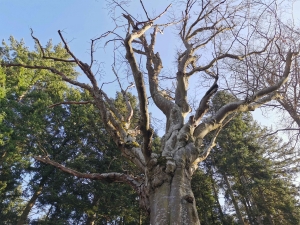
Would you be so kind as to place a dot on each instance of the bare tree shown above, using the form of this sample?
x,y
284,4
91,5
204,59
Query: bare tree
x,y
259,71
215,36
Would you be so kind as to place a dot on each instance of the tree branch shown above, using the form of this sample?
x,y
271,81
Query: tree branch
x,y
206,151
109,177
249,104
154,67
49,57
141,89
204,103
83,66
53,70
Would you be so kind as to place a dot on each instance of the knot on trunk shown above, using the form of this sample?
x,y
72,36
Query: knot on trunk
x,y
188,198
170,166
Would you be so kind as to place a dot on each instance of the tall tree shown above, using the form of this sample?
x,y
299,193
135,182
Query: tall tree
x,y
231,32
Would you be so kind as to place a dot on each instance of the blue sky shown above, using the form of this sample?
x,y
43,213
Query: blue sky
x,y
80,21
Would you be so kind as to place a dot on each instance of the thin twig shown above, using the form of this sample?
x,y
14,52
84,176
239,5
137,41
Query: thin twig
x,y
144,9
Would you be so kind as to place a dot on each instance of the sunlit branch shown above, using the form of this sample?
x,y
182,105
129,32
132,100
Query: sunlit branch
x,y
258,99
83,66
206,151
53,70
140,86
154,66
226,55
204,103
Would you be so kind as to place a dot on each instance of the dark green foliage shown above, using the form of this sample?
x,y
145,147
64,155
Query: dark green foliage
x,y
71,135
258,168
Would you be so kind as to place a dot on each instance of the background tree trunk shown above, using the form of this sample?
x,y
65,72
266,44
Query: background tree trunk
x,y
236,207
31,202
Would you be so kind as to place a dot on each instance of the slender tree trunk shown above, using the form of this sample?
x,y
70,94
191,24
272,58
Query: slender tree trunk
x,y
257,214
250,219
216,195
31,202
250,201
218,203
140,217
238,212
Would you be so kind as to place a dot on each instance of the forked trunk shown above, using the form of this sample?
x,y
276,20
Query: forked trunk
x,y
173,201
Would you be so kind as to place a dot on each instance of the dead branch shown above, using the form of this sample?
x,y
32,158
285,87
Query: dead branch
x,y
259,98
109,177
141,89
53,70
43,52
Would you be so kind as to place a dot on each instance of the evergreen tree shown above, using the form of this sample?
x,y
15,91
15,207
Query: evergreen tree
x,y
256,171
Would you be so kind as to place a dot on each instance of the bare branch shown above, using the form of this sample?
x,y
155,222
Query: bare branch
x,y
93,41
43,52
154,67
53,70
226,55
83,66
109,177
206,151
141,89
144,10
285,129
259,98
204,103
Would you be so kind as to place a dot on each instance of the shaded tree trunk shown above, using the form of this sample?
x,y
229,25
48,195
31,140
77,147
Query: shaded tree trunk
x,y
248,211
236,207
31,202
250,201
262,196
215,192
218,203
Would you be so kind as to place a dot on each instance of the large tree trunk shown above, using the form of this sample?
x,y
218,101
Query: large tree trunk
x,y
172,202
